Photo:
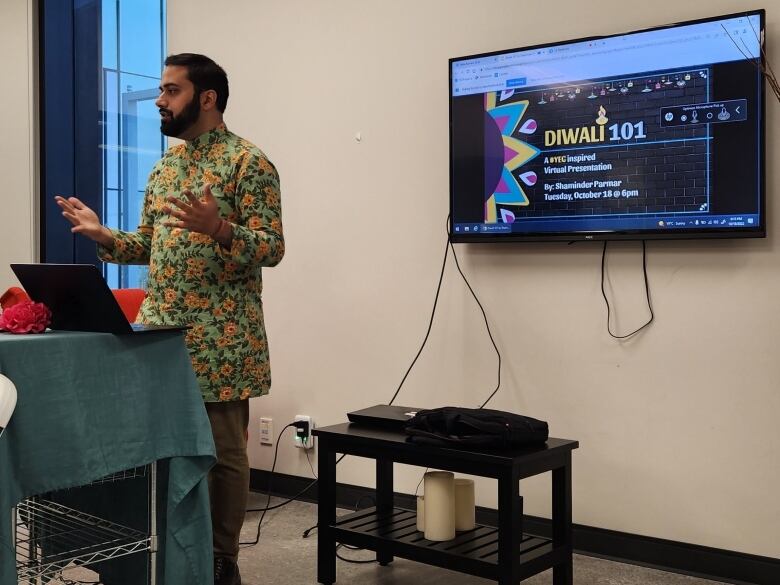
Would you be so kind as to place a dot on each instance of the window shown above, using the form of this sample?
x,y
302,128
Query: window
x,y
100,127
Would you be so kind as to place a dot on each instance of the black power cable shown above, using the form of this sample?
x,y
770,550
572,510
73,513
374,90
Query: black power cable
x,y
314,473
433,314
268,507
448,245
348,547
268,501
647,292
419,483
484,316
353,561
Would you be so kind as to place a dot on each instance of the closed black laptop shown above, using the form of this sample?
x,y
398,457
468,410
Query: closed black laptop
x,y
383,416
79,298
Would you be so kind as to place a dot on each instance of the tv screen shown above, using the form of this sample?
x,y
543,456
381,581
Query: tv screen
x,y
651,134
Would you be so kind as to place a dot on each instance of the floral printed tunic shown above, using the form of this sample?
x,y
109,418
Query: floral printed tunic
x,y
195,281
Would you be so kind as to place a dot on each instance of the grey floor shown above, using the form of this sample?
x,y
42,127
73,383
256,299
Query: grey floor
x,y
283,557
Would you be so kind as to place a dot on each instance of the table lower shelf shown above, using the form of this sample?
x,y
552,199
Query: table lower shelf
x,y
50,537
474,551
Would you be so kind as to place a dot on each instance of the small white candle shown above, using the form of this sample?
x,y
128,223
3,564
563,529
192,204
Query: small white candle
x,y
464,504
439,506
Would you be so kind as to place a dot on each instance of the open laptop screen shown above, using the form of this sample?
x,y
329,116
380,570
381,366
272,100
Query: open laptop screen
x,y
78,296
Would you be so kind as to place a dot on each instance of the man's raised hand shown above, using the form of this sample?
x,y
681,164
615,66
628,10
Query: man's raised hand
x,y
195,214
84,220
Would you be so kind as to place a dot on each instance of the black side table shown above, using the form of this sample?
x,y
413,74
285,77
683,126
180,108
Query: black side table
x,y
504,554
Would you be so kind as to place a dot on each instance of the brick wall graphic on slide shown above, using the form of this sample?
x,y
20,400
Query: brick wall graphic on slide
x,y
596,148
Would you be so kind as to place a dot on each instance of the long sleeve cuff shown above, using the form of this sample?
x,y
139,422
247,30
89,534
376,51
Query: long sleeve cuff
x,y
260,247
129,247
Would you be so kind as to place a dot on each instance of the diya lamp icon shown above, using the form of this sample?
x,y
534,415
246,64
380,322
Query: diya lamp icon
x,y
602,119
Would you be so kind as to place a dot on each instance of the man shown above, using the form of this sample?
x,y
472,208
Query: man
x,y
205,255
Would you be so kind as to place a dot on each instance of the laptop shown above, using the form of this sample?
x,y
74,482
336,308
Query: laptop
x,y
79,299
383,416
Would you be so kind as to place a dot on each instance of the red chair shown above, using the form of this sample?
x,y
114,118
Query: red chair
x,y
13,296
129,300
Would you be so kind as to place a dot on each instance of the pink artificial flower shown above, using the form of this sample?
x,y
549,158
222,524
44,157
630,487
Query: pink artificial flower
x,y
25,317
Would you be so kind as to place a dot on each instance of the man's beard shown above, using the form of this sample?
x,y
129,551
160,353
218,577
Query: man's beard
x,y
176,125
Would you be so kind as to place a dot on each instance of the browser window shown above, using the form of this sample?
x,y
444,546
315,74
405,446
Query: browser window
x,y
645,133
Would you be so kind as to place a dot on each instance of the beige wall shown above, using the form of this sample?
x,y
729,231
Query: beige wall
x,y
678,427
18,232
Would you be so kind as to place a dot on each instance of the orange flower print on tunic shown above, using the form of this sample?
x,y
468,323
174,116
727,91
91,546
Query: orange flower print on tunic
x,y
216,152
210,178
197,282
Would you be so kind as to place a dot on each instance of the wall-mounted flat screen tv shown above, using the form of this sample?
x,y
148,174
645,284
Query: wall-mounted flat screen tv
x,y
657,133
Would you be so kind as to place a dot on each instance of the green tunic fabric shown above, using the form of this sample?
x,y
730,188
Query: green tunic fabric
x,y
195,281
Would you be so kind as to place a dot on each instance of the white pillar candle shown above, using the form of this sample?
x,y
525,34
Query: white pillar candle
x,y
439,506
464,504
421,513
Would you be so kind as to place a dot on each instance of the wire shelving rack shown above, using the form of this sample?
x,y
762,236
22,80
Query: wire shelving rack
x,y
50,537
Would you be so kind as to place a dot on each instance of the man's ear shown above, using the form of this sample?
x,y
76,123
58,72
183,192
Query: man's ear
x,y
208,99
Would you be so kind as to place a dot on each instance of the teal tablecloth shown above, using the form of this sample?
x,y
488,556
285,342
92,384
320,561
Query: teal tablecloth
x,y
93,404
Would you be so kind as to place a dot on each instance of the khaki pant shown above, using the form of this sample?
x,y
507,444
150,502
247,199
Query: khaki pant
x,y
229,478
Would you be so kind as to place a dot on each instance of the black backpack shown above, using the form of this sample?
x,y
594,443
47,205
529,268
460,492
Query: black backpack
x,y
455,427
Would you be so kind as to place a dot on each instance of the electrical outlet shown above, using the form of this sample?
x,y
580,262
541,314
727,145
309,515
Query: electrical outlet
x,y
304,440
266,431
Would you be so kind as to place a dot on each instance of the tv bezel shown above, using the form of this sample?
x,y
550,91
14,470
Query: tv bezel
x,y
758,231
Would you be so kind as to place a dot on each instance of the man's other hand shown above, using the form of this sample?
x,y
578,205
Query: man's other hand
x,y
196,214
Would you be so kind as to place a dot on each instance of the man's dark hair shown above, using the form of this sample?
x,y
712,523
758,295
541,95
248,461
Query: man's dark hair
x,y
204,74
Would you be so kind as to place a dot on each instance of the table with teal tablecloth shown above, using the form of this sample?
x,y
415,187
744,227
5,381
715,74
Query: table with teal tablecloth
x,y
94,404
